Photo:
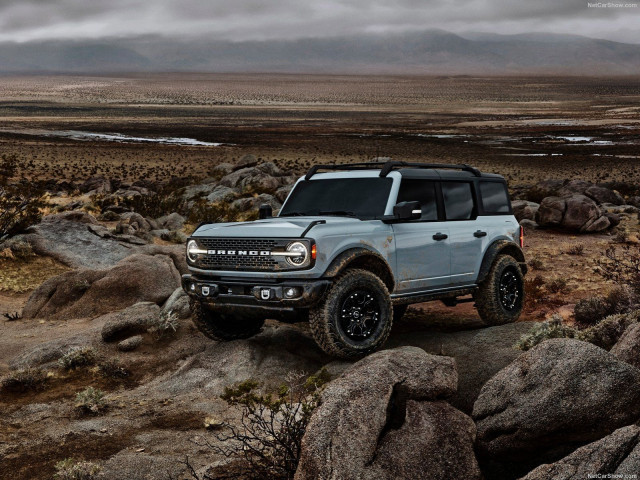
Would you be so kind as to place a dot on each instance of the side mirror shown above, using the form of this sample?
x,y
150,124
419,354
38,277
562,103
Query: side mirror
x,y
407,211
265,211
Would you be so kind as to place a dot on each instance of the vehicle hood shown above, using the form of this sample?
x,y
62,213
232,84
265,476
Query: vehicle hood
x,y
286,227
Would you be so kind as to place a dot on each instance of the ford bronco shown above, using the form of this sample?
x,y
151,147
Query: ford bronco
x,y
352,247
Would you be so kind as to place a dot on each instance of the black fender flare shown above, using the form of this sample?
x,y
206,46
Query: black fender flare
x,y
501,247
361,258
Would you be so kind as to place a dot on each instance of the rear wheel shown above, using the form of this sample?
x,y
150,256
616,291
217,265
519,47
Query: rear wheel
x,y
355,317
500,297
225,326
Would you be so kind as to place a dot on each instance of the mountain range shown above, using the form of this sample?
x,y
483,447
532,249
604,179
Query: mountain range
x,y
426,52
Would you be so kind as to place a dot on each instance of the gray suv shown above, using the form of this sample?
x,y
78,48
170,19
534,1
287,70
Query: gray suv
x,y
352,247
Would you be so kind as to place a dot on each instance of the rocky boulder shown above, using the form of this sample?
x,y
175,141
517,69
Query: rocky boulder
x,y
381,404
604,195
576,213
173,221
627,348
615,456
132,223
544,189
76,239
89,293
524,210
131,321
558,395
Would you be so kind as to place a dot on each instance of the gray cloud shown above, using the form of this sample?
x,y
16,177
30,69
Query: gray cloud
x,y
258,19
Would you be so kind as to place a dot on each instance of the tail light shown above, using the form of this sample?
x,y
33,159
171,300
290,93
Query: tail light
x,y
521,236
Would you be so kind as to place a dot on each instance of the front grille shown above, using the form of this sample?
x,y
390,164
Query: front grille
x,y
238,262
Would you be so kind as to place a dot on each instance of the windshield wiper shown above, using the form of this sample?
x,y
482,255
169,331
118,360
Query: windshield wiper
x,y
339,212
293,214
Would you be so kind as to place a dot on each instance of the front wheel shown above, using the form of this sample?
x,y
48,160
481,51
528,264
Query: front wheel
x,y
225,326
355,317
500,296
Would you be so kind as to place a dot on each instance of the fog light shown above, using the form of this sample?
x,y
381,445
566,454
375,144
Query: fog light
x,y
291,292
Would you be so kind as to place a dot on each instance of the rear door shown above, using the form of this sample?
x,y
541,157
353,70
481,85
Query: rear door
x,y
466,238
422,246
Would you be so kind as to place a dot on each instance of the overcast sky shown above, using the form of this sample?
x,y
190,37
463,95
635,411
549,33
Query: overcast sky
x,y
24,20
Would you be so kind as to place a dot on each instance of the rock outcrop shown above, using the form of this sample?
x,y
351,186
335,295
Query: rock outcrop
x,y
576,213
558,395
89,293
381,404
615,456
627,348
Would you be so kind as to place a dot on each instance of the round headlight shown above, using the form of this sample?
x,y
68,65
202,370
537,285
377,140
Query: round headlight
x,y
192,250
302,254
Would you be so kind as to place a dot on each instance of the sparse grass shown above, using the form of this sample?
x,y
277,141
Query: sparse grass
x,y
70,469
536,264
577,249
78,357
22,276
113,370
167,324
91,400
20,381
558,285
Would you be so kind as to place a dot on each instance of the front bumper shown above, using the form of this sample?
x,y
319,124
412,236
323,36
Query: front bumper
x,y
270,295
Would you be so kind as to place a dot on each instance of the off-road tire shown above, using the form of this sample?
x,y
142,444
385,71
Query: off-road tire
x,y
224,327
324,318
488,296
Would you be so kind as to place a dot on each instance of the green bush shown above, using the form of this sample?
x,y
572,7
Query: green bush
x,y
70,469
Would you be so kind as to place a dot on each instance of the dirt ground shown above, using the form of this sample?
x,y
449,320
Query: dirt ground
x,y
526,128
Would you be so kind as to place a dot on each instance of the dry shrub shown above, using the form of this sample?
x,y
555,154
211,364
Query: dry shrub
x,y
91,400
552,328
621,266
78,357
590,311
24,380
70,469
267,443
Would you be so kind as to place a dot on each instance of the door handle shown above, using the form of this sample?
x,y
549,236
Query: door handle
x,y
440,236
479,234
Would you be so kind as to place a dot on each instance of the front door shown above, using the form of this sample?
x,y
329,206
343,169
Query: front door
x,y
422,246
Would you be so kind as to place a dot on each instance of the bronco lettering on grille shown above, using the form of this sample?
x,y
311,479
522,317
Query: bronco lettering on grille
x,y
251,253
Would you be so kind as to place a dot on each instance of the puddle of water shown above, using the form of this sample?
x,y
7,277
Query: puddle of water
x,y
112,137
118,137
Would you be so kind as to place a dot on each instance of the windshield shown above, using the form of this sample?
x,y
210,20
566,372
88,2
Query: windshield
x,y
364,198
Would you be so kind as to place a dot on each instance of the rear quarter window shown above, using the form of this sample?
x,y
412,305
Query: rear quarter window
x,y
495,199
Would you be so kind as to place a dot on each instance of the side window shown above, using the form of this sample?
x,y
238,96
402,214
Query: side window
x,y
495,198
458,200
423,191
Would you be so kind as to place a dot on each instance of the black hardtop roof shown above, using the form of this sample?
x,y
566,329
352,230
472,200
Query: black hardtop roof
x,y
413,170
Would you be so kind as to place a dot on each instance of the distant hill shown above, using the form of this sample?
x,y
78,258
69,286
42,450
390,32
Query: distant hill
x,y
432,51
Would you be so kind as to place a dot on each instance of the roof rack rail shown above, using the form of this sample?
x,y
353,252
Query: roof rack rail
x,y
343,166
387,167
